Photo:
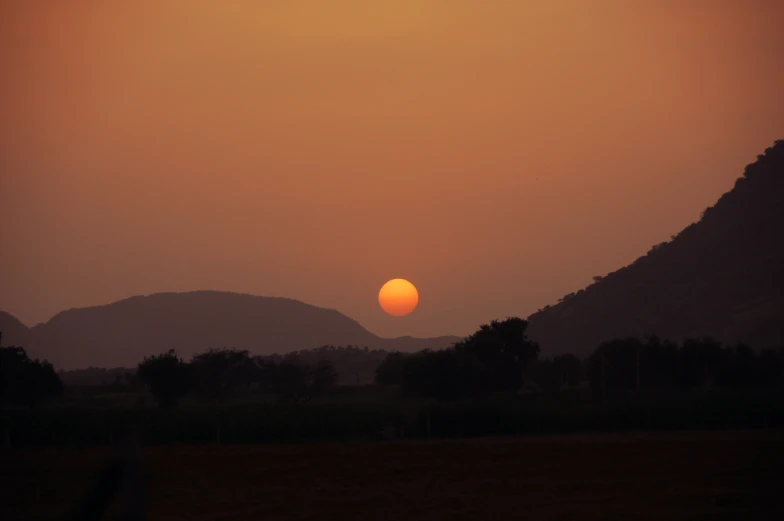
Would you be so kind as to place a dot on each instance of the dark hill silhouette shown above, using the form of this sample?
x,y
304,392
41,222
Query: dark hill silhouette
x,y
722,276
14,332
122,333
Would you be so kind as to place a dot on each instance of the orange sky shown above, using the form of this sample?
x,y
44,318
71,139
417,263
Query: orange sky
x,y
497,154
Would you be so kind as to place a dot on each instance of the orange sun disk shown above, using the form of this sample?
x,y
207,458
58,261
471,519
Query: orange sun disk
x,y
398,297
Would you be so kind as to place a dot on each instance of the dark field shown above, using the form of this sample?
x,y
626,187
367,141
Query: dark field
x,y
697,475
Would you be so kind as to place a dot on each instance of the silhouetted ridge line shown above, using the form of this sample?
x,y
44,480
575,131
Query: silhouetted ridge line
x,y
722,276
124,332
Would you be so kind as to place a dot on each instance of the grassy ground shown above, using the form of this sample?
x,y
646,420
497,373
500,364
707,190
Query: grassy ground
x,y
672,476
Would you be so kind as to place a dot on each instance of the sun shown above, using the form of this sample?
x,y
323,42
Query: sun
x,y
398,297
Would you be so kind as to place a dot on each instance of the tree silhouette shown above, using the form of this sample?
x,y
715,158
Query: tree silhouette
x,y
390,371
288,379
770,368
633,364
557,373
612,367
699,362
504,350
445,375
293,380
494,359
218,373
167,377
323,377
354,364
24,381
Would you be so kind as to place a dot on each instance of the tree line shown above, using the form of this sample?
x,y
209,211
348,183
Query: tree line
x,y
500,358
218,374
355,365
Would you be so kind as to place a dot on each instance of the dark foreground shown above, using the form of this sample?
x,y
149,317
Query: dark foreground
x,y
668,476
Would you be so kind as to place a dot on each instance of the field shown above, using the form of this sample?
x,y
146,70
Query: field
x,y
622,476
350,419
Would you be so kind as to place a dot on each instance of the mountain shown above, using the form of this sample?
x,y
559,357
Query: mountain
x,y
14,332
722,276
122,333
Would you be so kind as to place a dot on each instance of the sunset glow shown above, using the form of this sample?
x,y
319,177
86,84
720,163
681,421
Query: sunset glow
x,y
200,200
398,297
439,136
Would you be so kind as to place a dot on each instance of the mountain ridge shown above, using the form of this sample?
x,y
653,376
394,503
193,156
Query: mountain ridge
x,y
121,333
722,276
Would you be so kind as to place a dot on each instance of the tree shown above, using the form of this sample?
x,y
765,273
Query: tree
x,y
445,375
657,362
556,373
494,359
167,376
288,379
770,368
24,381
504,350
612,367
218,373
390,371
699,361
323,377
293,380
632,364
354,364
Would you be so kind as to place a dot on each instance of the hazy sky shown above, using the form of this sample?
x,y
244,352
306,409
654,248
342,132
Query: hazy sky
x,y
498,154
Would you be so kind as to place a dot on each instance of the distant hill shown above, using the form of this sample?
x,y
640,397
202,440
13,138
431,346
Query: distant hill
x,y
722,276
14,332
122,333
